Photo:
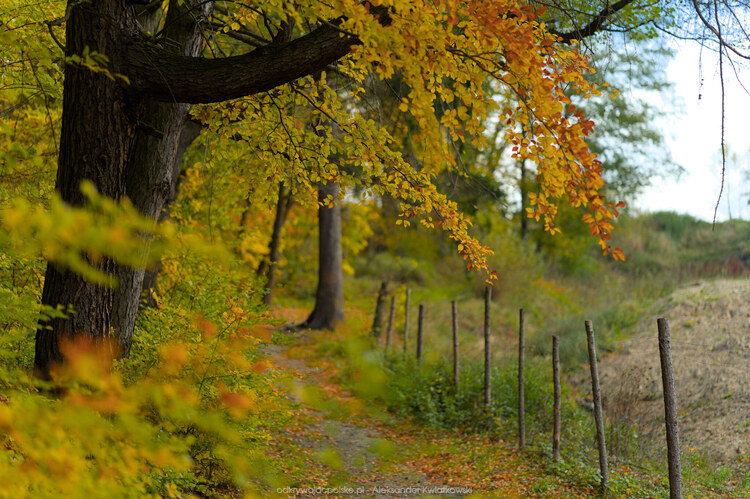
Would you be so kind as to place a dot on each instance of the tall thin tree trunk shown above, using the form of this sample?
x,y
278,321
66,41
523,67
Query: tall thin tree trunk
x,y
269,265
524,194
329,298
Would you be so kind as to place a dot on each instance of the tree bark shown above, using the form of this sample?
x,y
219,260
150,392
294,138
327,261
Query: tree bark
x,y
170,77
96,139
329,298
190,132
377,318
268,265
153,163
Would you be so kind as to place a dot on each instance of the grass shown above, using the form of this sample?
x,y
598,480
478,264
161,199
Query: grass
x,y
424,396
664,251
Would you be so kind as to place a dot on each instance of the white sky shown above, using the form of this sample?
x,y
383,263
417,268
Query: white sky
x,y
695,137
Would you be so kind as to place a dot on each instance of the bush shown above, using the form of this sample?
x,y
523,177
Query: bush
x,y
428,395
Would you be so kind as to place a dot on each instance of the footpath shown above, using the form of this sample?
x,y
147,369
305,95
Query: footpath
x,y
339,447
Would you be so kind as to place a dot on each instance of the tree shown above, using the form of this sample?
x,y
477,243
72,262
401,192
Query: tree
x,y
267,267
329,297
106,146
626,139
115,132
189,133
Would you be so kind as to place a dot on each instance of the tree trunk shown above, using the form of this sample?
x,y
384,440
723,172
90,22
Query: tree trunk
x,y
138,154
190,132
268,266
95,142
150,179
154,162
329,299
377,319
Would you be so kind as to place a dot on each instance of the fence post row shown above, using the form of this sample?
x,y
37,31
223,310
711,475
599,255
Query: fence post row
x,y
521,395
598,418
667,373
670,410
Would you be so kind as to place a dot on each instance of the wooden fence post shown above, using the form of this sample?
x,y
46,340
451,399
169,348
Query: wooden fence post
x,y
521,395
420,333
455,344
556,410
391,321
670,411
406,320
598,418
487,352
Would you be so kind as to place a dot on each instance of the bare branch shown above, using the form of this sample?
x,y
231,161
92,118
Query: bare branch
x,y
596,25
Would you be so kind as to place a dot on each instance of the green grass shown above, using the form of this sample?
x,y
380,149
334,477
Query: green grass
x,y
564,284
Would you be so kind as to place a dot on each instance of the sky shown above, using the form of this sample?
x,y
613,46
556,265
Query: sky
x,y
694,137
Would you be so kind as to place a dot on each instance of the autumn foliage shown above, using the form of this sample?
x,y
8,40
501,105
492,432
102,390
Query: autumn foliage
x,y
195,401
458,66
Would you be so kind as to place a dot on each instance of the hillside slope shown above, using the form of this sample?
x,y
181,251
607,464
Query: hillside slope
x,y
710,336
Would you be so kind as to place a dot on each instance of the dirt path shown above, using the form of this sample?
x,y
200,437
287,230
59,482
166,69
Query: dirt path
x,y
356,449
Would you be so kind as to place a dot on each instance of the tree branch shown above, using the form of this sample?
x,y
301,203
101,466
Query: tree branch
x,y
167,77
595,25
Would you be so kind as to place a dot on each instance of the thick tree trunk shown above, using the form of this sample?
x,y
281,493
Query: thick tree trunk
x,y
268,266
329,299
149,186
152,169
95,141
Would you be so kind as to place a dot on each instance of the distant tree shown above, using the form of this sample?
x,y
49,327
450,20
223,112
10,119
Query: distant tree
x,y
628,138
267,267
329,297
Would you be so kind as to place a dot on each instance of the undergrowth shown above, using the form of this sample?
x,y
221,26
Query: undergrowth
x,y
425,394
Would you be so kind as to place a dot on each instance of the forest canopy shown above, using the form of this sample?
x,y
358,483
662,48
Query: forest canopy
x,y
141,137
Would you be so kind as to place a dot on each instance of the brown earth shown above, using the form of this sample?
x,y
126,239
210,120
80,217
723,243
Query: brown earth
x,y
353,445
710,337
